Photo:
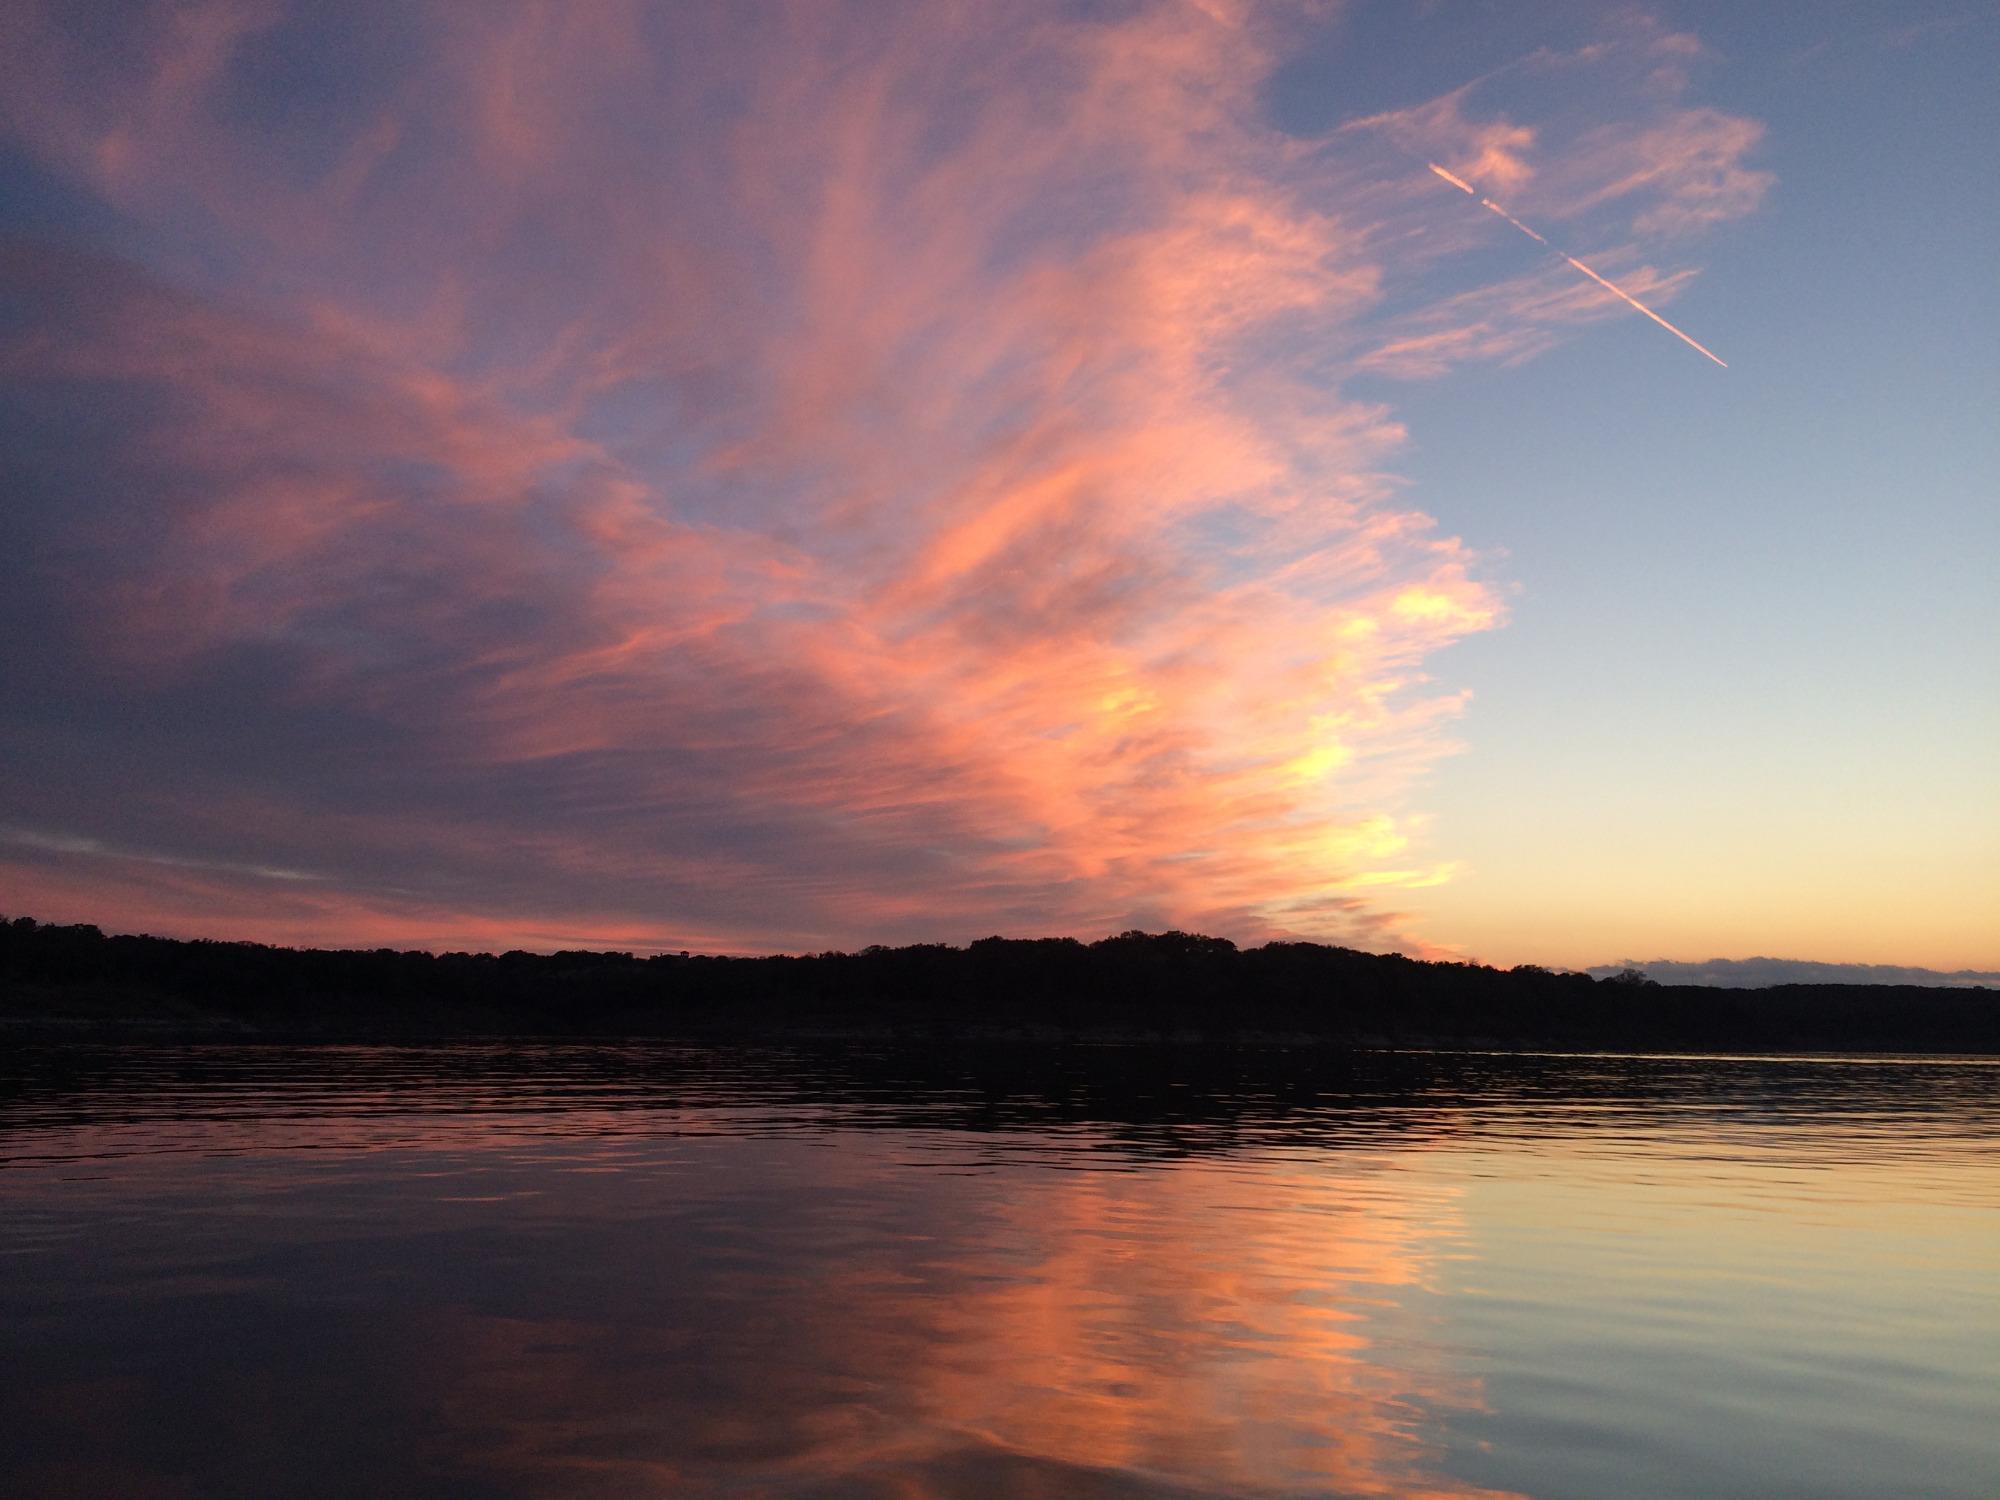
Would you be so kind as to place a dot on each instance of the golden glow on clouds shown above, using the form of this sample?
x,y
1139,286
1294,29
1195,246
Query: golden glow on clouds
x,y
689,481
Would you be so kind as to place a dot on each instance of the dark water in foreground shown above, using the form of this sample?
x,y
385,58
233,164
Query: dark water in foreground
x,y
625,1271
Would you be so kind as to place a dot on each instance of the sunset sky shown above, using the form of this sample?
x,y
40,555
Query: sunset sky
x,y
748,476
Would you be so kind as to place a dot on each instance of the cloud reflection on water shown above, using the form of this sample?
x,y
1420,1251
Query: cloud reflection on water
x,y
598,1270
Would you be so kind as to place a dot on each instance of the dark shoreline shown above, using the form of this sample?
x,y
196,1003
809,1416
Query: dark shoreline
x,y
61,983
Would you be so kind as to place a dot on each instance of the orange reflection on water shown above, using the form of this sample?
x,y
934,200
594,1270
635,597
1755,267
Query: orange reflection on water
x,y
1208,1325
576,1285
515,1270
1229,1326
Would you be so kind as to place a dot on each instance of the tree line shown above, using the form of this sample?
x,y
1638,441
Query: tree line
x,y
1135,984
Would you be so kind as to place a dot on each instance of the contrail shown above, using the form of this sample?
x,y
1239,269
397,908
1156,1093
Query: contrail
x,y
1615,290
1489,203
1461,185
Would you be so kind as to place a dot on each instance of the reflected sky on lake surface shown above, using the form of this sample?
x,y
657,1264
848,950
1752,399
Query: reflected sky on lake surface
x,y
613,1271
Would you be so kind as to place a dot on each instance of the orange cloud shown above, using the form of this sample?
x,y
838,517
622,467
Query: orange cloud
x,y
777,479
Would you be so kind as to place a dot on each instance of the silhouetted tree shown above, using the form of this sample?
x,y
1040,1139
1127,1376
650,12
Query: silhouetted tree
x,y
1135,983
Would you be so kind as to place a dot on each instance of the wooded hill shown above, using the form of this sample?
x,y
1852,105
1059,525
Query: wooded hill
x,y
1173,985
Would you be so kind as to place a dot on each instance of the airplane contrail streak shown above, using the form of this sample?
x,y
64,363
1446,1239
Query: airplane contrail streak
x,y
1617,291
1489,203
1456,182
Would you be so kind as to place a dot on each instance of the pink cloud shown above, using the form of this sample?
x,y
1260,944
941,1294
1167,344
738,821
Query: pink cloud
x,y
1687,169
817,476
1511,321
1492,152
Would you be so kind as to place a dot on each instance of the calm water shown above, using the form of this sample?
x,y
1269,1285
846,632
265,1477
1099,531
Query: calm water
x,y
645,1270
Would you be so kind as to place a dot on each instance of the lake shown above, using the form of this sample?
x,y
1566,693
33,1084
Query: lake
x,y
633,1270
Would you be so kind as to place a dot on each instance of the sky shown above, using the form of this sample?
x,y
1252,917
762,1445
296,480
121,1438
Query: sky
x,y
750,477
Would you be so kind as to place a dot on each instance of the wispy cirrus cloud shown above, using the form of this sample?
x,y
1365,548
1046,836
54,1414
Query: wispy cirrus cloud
x,y
1624,189
1507,322
714,476
1687,172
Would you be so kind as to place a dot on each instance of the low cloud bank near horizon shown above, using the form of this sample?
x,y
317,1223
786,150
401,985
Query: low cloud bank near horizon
x,y
1760,973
